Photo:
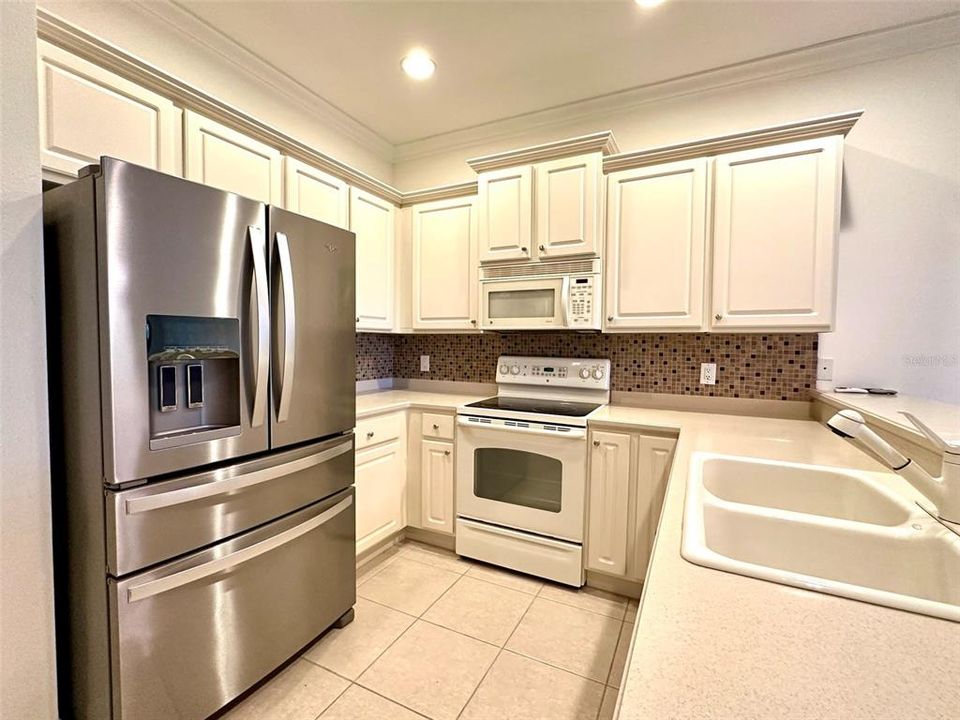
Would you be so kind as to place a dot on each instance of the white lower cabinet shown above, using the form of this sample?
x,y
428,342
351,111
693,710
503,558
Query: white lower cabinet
x,y
436,486
628,478
380,479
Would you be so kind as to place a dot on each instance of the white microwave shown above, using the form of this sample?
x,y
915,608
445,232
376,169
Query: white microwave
x,y
562,295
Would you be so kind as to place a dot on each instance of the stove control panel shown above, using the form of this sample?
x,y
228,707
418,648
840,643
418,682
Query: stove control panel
x,y
589,373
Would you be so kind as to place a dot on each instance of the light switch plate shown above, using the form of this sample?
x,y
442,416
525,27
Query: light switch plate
x,y
708,373
825,369
424,363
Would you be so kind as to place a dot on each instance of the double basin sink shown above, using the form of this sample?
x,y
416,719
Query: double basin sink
x,y
836,531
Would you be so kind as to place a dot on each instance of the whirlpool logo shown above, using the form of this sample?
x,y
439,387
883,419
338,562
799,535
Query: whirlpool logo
x,y
331,248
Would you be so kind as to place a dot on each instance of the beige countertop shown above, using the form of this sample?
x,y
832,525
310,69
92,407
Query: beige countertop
x,y
379,401
710,644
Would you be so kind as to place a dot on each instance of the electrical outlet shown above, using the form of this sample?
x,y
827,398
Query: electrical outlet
x,y
825,369
708,373
424,363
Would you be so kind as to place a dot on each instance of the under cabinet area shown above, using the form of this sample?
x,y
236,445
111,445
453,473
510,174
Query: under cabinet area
x,y
627,481
445,280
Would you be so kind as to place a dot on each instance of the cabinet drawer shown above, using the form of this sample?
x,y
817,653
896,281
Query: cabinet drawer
x,y
376,430
437,426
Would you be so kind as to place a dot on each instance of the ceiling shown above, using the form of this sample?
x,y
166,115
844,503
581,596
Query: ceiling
x,y
501,59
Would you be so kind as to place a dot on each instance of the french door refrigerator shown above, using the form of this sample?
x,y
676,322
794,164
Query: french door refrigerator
x,y
202,410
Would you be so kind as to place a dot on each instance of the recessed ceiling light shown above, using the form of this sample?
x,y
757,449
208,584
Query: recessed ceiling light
x,y
649,3
418,64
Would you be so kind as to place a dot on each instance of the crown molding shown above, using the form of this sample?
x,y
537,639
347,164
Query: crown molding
x,y
602,142
829,56
440,192
183,21
839,124
55,30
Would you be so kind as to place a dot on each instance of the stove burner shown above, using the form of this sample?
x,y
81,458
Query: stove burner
x,y
531,405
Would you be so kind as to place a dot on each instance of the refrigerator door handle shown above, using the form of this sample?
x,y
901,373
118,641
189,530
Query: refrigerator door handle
x,y
191,575
289,327
258,248
133,506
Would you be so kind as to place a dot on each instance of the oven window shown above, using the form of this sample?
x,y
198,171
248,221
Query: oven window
x,y
518,478
521,303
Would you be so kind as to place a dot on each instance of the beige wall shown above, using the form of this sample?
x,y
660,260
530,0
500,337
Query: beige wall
x,y
898,320
178,44
27,676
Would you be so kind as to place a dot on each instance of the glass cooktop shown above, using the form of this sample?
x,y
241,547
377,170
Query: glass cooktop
x,y
529,405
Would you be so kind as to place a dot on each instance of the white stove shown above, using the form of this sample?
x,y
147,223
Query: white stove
x,y
522,465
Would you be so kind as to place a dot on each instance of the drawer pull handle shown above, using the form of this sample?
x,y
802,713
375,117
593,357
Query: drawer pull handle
x,y
238,482
370,434
185,577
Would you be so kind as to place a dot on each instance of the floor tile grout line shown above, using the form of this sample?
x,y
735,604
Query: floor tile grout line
x,y
390,699
579,607
555,667
339,695
615,649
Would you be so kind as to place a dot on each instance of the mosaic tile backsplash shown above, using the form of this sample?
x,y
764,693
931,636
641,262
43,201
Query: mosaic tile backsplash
x,y
777,366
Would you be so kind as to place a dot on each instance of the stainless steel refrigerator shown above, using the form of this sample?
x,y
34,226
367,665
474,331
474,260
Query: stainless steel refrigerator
x,y
202,407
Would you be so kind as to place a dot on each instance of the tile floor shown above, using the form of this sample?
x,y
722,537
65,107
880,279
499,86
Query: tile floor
x,y
442,637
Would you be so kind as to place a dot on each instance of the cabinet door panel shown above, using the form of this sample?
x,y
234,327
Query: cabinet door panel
x,y
567,206
445,270
436,468
86,112
223,158
656,241
506,213
380,483
316,194
609,502
775,227
654,459
374,222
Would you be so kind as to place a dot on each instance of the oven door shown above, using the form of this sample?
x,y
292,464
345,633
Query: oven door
x,y
524,304
523,478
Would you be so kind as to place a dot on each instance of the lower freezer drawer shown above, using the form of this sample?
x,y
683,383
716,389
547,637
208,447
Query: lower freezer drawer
x,y
192,635
544,557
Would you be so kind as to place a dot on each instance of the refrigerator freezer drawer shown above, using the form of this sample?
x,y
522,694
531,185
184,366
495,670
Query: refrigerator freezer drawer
x,y
160,521
192,635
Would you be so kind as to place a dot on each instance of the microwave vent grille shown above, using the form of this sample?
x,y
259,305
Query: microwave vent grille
x,y
537,269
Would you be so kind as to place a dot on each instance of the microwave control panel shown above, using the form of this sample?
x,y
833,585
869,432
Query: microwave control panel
x,y
581,301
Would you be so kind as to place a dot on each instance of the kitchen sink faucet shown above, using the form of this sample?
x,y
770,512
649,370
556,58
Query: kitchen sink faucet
x,y
943,492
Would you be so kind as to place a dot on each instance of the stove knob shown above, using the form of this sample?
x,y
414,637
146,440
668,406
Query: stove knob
x,y
515,370
504,369
585,373
598,373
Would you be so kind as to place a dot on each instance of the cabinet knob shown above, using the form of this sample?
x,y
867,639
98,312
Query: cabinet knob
x,y
718,317
358,319
446,452
473,322
370,434
436,427
542,248
524,251
596,443
609,318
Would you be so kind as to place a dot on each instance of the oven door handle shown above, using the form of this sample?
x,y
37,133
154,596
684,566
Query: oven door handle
x,y
573,434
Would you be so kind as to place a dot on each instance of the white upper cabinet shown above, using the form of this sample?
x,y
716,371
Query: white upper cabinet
x,y
506,214
656,242
568,213
445,278
86,112
316,194
776,222
223,158
373,219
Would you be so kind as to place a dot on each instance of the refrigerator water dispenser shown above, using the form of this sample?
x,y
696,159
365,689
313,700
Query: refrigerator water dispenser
x,y
194,371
